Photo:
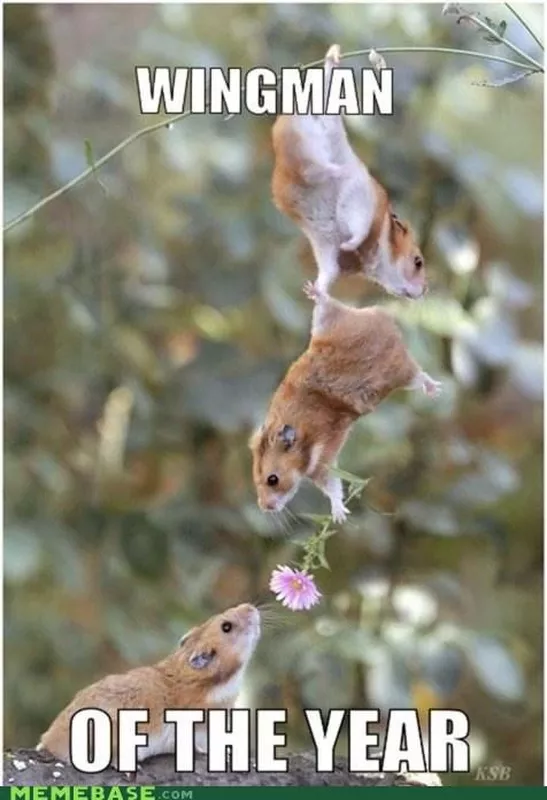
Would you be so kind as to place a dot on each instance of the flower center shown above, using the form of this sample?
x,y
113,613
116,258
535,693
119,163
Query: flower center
x,y
297,584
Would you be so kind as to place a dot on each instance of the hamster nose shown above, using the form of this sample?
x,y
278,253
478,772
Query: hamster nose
x,y
248,608
270,505
250,616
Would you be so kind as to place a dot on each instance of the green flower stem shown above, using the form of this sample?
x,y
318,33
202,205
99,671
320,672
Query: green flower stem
x,y
524,24
485,27
93,168
167,122
445,50
314,557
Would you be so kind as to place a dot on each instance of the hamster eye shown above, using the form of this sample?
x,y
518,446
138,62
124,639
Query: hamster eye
x,y
226,627
272,480
418,262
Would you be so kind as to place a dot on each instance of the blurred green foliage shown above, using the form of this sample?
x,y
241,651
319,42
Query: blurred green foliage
x,y
146,326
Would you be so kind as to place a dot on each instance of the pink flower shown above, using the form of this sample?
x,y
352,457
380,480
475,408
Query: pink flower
x,y
294,588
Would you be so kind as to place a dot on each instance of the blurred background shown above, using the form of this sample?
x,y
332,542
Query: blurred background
x,y
150,313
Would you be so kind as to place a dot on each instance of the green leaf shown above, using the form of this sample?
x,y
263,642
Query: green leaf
x,y
89,154
90,161
299,543
322,558
499,28
319,518
349,478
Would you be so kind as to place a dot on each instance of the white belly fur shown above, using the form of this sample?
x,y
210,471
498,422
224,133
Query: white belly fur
x,y
159,743
164,741
229,691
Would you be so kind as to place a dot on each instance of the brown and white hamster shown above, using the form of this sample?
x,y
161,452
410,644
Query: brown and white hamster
x,y
320,183
355,358
206,671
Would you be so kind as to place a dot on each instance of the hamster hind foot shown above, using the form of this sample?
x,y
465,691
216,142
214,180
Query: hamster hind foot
x,y
352,244
427,384
332,488
339,512
333,54
313,292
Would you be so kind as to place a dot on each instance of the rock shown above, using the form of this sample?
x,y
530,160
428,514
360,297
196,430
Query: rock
x,y
159,771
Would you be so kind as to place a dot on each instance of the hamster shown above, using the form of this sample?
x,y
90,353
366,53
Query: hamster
x,y
320,183
205,671
355,359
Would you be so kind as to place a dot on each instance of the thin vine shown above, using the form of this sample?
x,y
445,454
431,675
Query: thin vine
x,y
495,35
524,24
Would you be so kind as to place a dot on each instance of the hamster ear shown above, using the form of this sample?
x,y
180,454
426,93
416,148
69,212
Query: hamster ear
x,y
199,660
287,434
184,639
399,223
256,437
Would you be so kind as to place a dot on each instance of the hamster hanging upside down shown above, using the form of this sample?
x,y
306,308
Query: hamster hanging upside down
x,y
321,184
355,359
206,671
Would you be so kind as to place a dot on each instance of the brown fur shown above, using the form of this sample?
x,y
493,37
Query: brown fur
x,y
351,365
288,178
171,683
292,180
363,258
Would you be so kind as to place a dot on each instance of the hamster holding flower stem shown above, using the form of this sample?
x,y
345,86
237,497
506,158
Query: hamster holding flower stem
x,y
320,183
205,671
355,358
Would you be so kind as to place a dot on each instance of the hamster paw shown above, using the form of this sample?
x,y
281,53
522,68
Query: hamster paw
x,y
312,291
339,513
333,54
431,387
351,244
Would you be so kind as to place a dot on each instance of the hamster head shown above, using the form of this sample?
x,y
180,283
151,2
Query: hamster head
x,y
223,645
279,465
409,279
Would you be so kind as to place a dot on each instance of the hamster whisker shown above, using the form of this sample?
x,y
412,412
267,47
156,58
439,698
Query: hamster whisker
x,y
273,618
292,515
284,525
272,625
276,522
274,622
284,522
273,615
264,605
269,612
290,518
263,602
